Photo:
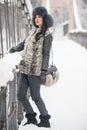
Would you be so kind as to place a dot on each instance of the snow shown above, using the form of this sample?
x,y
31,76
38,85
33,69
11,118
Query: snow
x,y
78,30
7,64
66,101
29,5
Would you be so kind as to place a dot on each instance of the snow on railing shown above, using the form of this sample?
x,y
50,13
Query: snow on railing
x,y
29,6
8,91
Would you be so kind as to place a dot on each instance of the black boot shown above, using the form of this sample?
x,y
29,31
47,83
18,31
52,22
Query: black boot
x,y
31,118
44,121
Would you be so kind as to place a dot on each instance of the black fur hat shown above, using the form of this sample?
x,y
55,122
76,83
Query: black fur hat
x,y
47,19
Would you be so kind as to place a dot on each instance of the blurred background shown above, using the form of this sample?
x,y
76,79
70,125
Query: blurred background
x,y
70,20
15,19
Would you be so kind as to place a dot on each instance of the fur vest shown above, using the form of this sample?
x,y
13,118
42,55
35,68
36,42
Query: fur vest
x,y
33,53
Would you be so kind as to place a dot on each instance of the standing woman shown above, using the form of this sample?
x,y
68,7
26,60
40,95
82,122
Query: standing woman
x,y
36,52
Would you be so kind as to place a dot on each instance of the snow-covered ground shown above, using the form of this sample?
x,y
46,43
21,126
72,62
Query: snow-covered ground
x,y
66,101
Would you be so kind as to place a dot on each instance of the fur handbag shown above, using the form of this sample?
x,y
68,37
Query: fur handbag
x,y
52,76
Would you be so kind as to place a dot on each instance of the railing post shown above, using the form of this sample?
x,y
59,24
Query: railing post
x,y
3,121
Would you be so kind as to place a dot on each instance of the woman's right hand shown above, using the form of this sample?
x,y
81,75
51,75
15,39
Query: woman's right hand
x,y
12,50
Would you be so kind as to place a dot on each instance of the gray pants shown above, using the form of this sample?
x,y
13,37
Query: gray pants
x,y
33,82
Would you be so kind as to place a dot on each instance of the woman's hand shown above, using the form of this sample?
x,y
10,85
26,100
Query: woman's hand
x,y
43,77
12,50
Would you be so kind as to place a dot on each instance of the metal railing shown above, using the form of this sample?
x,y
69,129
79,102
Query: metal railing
x,y
15,22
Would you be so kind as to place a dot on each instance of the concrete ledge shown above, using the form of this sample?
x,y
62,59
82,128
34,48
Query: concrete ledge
x,y
80,37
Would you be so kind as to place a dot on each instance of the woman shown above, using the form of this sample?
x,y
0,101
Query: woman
x,y
36,52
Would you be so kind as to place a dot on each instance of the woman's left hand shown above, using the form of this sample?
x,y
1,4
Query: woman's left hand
x,y
43,77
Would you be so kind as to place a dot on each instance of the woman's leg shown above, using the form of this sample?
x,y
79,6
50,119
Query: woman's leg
x,y
22,96
34,84
23,85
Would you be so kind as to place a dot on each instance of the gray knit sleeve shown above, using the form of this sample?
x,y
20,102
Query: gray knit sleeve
x,y
46,52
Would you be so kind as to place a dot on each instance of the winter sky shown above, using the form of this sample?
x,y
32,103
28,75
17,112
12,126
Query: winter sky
x,y
66,101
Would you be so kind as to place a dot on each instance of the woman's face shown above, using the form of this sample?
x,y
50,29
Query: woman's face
x,y
39,20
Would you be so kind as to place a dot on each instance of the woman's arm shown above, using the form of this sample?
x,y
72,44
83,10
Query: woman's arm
x,y
46,52
18,48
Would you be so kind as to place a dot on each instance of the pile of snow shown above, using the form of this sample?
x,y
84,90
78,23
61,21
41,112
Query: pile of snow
x,y
7,64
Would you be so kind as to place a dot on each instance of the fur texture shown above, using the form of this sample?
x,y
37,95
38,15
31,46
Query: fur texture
x,y
48,20
51,79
